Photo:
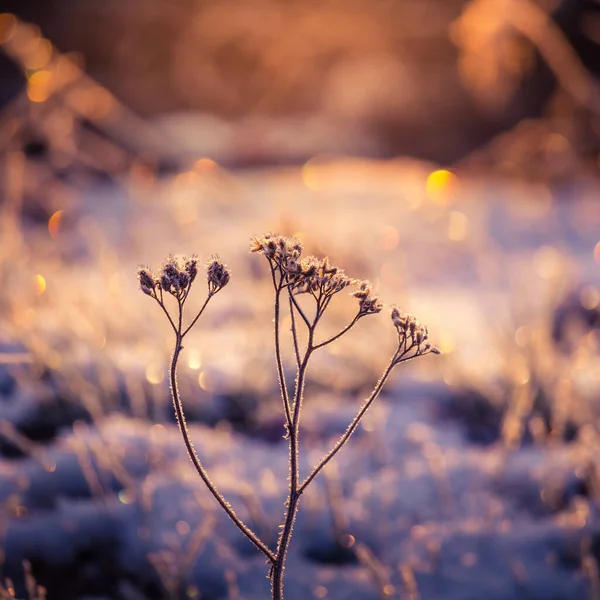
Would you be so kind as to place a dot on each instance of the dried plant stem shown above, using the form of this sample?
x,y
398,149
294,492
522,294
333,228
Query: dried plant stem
x,y
351,428
318,280
192,450
294,491
280,372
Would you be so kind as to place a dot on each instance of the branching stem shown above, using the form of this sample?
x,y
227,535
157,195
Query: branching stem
x,y
192,450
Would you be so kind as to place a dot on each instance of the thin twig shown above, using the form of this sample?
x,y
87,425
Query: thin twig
x,y
198,315
278,358
196,459
294,331
353,425
340,334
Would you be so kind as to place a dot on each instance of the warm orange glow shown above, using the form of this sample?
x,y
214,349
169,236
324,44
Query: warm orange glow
x,y
54,223
40,285
194,361
310,176
441,186
39,86
39,56
8,26
154,373
94,102
204,165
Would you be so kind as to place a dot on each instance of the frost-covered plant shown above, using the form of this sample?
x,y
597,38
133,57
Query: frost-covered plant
x,y
292,276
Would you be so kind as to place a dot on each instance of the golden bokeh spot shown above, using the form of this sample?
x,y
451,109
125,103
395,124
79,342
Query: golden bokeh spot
x,y
442,186
8,26
194,361
54,223
205,165
125,497
154,373
39,86
204,381
310,176
40,285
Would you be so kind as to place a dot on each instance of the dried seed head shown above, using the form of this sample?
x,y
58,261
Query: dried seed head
x,y
217,274
169,279
191,267
412,336
146,279
368,303
177,274
278,248
312,274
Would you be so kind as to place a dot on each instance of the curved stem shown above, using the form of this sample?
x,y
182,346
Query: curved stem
x,y
295,492
299,309
196,460
164,308
351,428
340,334
294,332
210,295
278,358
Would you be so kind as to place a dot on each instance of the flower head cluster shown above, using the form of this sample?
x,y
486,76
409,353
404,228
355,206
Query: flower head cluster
x,y
368,303
177,275
314,274
218,274
411,334
283,251
147,280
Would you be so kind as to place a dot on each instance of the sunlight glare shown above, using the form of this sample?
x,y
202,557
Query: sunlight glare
x,y
441,186
40,285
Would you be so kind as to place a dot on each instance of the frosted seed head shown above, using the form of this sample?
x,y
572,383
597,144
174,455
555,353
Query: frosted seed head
x,y
146,279
217,273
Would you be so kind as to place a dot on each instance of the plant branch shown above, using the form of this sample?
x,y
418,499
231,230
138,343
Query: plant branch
x,y
299,309
294,332
339,335
198,464
210,295
278,359
351,428
164,308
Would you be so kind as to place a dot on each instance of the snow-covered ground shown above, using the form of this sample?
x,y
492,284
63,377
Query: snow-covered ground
x,y
473,476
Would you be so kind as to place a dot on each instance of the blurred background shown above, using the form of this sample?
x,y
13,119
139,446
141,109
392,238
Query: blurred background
x,y
449,151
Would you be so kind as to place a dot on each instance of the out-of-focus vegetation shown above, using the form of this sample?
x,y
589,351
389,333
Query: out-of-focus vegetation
x,y
475,477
